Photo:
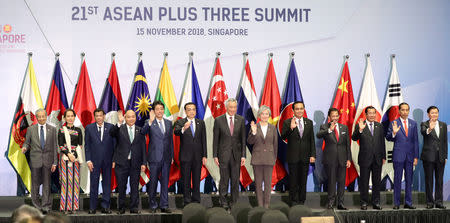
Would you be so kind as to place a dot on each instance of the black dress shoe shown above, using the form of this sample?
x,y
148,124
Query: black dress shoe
x,y
377,207
396,207
364,207
409,207
121,211
106,211
44,212
92,212
440,206
341,207
135,211
166,210
430,206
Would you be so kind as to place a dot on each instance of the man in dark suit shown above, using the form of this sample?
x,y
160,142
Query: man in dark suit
x,y
229,144
129,158
99,145
336,157
404,154
192,134
41,141
434,156
160,155
301,151
371,157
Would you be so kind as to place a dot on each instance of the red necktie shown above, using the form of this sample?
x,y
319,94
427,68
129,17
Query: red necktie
x,y
336,133
231,126
406,127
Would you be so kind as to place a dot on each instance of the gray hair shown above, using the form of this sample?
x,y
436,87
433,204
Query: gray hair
x,y
262,109
25,212
41,110
230,100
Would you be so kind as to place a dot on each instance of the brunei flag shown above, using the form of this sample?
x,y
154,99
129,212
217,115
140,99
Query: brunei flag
x,y
29,101
166,95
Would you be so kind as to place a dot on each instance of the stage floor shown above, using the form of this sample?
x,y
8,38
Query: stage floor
x,y
316,201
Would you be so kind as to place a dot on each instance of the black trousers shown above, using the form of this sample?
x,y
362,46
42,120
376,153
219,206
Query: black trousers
x,y
336,174
436,169
191,170
229,172
298,175
122,173
364,177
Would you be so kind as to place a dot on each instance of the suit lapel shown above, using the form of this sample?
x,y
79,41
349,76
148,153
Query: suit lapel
x,y
156,128
227,124
402,128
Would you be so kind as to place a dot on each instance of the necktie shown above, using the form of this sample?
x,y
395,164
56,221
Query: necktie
x,y
231,126
130,133
42,137
300,128
336,133
100,132
371,128
161,126
192,128
406,127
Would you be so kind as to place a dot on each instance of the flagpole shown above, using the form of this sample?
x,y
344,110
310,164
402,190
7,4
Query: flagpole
x,y
113,56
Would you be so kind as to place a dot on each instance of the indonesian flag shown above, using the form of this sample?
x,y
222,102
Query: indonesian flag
x,y
191,93
392,99
111,102
83,104
345,103
215,107
368,97
29,101
271,98
166,94
247,108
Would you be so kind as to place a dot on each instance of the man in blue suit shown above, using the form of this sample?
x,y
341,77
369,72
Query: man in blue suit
x,y
403,132
160,155
99,145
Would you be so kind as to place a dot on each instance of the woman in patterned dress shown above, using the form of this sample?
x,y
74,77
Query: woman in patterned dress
x,y
69,172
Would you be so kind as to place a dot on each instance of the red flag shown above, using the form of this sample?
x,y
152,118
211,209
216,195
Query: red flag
x,y
83,104
271,98
345,103
215,107
83,101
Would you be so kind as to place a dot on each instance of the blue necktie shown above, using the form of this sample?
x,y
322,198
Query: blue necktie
x,y
161,127
42,137
192,128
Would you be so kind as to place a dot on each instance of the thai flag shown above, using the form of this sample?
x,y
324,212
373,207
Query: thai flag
x,y
111,102
248,108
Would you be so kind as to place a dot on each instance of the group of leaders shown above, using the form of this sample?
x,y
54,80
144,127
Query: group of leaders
x,y
123,147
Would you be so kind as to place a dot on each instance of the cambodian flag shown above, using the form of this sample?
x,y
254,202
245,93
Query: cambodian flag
x,y
57,99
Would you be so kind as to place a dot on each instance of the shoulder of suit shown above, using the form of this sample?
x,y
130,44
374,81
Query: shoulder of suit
x,y
236,116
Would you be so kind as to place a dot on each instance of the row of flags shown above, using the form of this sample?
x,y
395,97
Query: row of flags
x,y
139,100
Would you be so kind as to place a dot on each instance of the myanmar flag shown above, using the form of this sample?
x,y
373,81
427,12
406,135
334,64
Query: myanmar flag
x,y
166,95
